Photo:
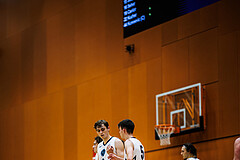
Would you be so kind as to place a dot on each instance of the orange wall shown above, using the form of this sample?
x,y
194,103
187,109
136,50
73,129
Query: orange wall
x,y
63,67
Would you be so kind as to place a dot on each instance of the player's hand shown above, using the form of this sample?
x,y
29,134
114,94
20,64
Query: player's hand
x,y
109,149
112,156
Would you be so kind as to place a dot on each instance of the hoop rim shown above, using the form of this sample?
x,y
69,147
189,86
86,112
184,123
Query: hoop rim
x,y
168,126
161,126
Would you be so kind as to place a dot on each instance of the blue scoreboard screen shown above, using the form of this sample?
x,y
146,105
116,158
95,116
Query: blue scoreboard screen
x,y
139,15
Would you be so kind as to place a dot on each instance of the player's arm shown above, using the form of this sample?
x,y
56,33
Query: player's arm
x,y
119,151
237,149
113,156
119,148
97,154
129,149
96,157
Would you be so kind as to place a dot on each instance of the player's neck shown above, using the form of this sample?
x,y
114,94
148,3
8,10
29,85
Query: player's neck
x,y
129,136
191,156
106,139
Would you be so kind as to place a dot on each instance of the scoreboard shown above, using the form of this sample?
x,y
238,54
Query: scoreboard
x,y
139,15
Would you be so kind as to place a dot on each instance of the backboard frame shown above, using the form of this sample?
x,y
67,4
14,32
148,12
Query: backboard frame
x,y
201,110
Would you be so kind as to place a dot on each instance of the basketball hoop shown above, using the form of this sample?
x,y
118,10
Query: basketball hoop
x,y
164,132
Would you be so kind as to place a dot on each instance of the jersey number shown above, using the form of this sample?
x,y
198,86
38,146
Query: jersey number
x,y
142,152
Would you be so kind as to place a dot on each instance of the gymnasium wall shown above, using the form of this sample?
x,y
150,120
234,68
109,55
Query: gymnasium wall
x,y
63,67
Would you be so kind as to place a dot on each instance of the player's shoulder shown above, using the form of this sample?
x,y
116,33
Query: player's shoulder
x,y
116,139
237,140
134,139
100,144
237,143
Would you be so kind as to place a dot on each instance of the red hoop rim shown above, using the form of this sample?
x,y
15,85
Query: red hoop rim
x,y
164,126
168,126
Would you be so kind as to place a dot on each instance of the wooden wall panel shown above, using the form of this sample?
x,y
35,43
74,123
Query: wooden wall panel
x,y
209,17
18,130
203,57
50,133
228,148
216,149
10,72
23,14
60,51
102,98
150,43
90,40
51,7
189,24
43,120
238,44
3,22
12,132
169,32
30,131
18,16
175,65
137,110
198,21
27,62
115,50
228,84
169,154
40,60
213,111
154,87
86,117
70,123
229,16
119,98
7,135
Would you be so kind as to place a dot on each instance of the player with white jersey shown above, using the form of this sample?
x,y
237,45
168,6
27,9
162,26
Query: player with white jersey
x,y
102,148
116,144
138,149
134,149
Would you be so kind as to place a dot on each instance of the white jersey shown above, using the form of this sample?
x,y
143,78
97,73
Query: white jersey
x,y
138,152
95,157
102,148
192,159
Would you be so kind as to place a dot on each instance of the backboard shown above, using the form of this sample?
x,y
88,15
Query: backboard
x,y
183,108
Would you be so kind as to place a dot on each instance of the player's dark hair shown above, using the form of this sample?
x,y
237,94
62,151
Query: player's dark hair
x,y
127,124
100,122
190,148
98,139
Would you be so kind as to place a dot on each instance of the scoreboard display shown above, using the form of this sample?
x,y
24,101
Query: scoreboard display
x,y
139,15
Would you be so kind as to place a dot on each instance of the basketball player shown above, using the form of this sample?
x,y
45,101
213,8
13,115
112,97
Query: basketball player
x,y
134,149
237,149
95,144
189,152
116,144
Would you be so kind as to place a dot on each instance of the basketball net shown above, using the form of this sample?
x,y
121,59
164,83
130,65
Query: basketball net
x,y
164,132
